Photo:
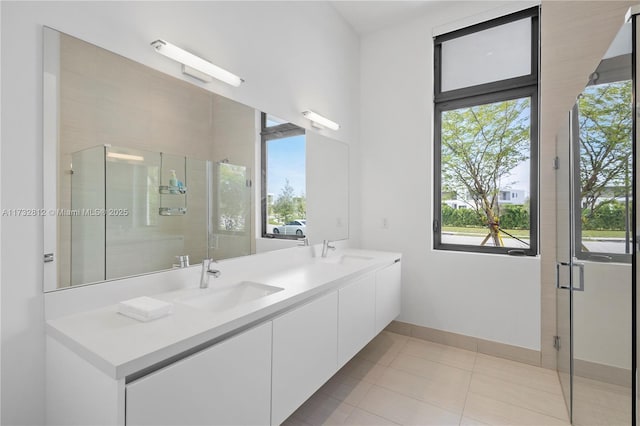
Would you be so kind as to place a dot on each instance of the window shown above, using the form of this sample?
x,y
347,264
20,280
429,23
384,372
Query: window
x,y
283,179
602,123
486,136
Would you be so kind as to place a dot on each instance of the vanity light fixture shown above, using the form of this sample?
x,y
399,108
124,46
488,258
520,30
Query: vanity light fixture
x,y
317,119
192,63
120,156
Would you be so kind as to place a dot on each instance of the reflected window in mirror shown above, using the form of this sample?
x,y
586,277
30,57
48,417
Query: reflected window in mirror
x,y
171,164
602,124
143,167
272,121
284,203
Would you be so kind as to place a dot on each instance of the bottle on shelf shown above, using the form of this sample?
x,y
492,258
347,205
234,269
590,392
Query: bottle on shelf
x,y
173,182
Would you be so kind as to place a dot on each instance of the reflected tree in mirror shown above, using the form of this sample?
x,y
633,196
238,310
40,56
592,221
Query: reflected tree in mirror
x,y
287,206
142,112
605,123
233,206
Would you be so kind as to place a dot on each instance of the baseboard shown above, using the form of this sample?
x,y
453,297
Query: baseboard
x,y
603,373
488,347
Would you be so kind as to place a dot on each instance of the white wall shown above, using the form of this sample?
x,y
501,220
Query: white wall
x,y
294,56
1,205
487,296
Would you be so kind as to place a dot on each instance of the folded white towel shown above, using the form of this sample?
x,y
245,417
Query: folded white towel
x,y
145,308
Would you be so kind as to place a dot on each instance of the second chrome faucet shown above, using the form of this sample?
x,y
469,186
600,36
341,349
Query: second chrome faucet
x,y
326,246
208,272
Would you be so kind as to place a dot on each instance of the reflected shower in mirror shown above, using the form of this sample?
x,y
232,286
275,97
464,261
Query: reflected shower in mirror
x,y
144,168
603,123
148,166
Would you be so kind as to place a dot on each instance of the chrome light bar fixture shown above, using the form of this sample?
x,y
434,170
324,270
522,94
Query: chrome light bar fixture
x,y
318,120
192,62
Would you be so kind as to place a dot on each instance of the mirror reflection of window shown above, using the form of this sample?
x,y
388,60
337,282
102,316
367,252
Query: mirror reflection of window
x,y
175,126
603,153
272,120
284,206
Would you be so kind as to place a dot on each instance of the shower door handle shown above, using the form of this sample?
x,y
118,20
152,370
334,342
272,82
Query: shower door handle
x,y
558,265
580,267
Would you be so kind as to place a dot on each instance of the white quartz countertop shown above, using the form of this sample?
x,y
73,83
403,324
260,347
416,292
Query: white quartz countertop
x,y
121,346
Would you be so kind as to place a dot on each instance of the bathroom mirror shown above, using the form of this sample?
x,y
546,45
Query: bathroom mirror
x,y
141,168
328,181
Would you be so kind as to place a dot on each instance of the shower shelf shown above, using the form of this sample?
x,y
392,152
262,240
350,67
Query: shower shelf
x,y
172,190
172,211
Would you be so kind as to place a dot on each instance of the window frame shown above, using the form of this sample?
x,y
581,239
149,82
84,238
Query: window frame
x,y
280,131
496,91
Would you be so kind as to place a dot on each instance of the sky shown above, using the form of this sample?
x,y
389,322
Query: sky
x,y
286,159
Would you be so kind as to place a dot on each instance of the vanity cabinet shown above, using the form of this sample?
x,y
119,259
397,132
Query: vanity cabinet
x,y
356,316
388,295
304,354
225,384
256,374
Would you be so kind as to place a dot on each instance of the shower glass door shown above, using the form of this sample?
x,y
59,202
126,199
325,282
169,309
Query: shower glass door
x,y
636,231
231,211
564,239
602,139
594,280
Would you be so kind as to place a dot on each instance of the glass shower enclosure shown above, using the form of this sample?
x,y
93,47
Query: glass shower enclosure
x,y
134,211
594,244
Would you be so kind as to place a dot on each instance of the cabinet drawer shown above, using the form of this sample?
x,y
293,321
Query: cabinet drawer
x,y
388,295
356,317
226,384
304,354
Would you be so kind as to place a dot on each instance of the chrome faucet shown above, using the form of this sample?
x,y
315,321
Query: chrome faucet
x,y
326,246
183,261
207,272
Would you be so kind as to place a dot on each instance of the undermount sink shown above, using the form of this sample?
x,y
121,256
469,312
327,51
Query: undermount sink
x,y
228,297
345,259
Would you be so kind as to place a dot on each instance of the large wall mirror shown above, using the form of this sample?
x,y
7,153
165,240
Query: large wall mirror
x,y
141,168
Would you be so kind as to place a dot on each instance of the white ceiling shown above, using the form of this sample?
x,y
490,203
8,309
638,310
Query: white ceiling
x,y
369,16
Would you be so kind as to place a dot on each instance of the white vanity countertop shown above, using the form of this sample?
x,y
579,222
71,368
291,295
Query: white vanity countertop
x,y
120,346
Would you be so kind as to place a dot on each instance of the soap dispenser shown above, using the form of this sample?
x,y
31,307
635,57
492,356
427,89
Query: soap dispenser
x,y
173,181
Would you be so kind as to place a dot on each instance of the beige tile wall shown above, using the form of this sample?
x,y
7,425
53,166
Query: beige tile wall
x,y
574,36
108,99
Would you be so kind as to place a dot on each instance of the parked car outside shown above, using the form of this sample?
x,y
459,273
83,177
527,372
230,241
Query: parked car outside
x,y
295,227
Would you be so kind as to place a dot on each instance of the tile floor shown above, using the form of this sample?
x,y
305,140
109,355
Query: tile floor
x,y
401,380
598,403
